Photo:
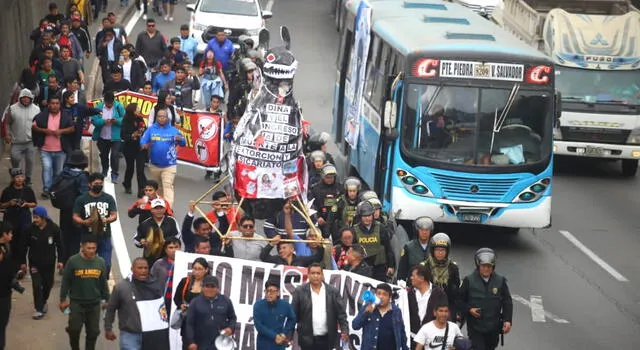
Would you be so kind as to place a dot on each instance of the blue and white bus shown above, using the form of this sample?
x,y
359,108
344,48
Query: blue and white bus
x,y
456,116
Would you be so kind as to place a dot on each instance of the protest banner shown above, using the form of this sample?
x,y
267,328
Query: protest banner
x,y
202,130
242,281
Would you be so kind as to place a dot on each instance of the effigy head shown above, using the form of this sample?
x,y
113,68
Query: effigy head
x,y
280,65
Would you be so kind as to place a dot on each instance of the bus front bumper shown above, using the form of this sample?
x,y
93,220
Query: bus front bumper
x,y
596,150
521,215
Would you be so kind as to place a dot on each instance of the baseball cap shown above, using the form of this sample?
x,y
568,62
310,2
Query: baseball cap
x,y
158,202
184,27
210,281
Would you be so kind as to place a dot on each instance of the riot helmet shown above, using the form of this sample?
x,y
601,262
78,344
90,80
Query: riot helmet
x,y
440,240
366,195
424,223
351,183
317,140
365,209
329,170
318,156
377,205
485,256
247,65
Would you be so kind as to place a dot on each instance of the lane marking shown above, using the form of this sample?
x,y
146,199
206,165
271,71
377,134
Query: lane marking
x,y
593,256
117,235
547,314
132,22
537,310
269,5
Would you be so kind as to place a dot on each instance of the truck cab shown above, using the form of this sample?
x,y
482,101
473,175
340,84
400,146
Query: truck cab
x,y
594,45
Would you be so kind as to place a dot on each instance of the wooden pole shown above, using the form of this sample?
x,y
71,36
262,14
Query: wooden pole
x,y
212,189
284,240
209,221
306,216
235,217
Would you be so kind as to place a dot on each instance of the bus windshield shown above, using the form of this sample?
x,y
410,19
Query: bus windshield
x,y
620,87
477,126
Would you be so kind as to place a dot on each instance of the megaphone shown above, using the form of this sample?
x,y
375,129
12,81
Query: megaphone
x,y
224,342
368,297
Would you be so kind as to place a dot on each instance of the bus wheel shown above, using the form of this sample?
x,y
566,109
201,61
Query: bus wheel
x,y
629,167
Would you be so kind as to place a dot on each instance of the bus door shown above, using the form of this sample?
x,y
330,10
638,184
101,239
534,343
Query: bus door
x,y
346,42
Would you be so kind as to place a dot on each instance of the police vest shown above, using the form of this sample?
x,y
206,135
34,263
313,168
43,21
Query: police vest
x,y
372,244
488,297
348,212
415,254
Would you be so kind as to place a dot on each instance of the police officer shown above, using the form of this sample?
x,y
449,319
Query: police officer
x,y
488,301
444,271
315,161
376,241
318,142
325,194
416,250
343,212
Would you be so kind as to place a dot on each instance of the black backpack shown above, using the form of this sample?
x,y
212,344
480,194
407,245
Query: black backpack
x,y
64,191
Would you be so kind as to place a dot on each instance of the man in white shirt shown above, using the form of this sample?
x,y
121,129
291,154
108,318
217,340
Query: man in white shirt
x,y
438,334
319,312
423,296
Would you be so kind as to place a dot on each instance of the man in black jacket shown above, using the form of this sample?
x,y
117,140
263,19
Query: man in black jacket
x,y
44,249
416,250
356,264
8,270
108,52
159,221
487,300
52,133
423,298
319,311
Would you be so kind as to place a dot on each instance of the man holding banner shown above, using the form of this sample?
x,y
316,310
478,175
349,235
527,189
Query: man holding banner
x,y
319,311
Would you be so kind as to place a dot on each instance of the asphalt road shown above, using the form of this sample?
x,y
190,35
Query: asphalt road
x,y
563,298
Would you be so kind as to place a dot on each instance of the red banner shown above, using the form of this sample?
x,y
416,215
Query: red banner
x,y
202,130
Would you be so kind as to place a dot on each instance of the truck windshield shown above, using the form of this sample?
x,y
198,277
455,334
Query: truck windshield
x,y
477,126
598,86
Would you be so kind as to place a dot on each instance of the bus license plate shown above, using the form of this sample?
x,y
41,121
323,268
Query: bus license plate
x,y
595,151
472,217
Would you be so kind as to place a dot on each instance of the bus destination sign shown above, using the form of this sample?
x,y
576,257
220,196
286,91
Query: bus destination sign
x,y
479,70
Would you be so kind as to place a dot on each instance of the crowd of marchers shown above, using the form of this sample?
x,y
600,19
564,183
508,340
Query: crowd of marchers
x,y
348,229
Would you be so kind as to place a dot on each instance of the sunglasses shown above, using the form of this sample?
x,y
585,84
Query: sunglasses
x,y
247,226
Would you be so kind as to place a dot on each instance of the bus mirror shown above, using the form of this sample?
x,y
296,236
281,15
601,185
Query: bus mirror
x,y
390,108
558,105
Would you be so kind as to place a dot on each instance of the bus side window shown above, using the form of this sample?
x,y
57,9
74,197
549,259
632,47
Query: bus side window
x,y
381,77
374,61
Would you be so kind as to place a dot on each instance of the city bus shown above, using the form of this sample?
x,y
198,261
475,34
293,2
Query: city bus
x,y
453,117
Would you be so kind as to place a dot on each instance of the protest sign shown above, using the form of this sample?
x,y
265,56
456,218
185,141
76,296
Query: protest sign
x,y
202,130
242,281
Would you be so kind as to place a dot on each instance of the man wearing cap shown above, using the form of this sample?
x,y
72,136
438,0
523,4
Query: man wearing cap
x,y
325,195
416,250
17,199
74,169
188,44
18,131
273,318
382,324
107,213
44,249
148,229
485,296
356,263
210,315
108,51
376,240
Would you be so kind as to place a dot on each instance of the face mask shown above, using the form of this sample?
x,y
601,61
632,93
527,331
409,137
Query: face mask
x,y
96,188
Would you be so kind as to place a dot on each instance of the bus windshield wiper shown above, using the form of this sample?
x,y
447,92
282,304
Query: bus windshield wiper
x,y
499,121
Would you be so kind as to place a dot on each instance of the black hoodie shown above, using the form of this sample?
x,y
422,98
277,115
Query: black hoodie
x,y
44,246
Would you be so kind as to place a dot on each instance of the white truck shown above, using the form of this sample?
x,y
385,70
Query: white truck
x,y
595,45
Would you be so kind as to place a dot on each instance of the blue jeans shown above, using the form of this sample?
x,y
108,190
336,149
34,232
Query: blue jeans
x,y
130,341
104,251
52,163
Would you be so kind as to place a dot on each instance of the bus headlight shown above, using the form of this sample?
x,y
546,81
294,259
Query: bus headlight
x,y
533,192
634,137
412,184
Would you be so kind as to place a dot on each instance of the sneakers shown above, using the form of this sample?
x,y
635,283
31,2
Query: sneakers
x,y
166,18
37,315
114,178
170,19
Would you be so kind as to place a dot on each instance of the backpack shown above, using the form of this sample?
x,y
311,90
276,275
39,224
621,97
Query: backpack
x,y
64,191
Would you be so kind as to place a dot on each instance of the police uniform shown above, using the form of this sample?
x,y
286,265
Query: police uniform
x,y
342,214
326,196
494,300
411,255
376,242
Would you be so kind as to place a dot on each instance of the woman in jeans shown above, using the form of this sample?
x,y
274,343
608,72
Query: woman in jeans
x,y
133,126
212,81
190,287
